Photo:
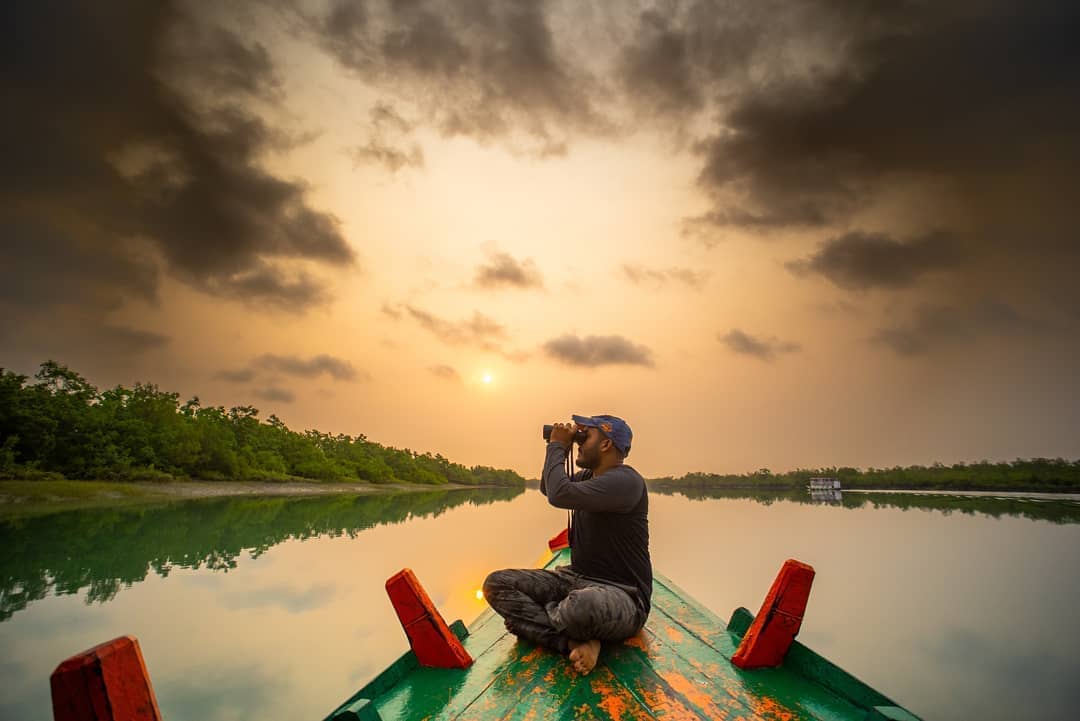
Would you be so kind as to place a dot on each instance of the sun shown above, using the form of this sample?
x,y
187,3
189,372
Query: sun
x,y
487,378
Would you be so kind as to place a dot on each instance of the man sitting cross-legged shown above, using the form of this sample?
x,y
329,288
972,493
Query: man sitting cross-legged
x,y
604,594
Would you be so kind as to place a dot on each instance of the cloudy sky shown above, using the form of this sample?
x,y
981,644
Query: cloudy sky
x,y
773,234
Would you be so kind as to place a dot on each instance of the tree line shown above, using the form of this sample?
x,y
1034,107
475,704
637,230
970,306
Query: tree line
x,y
60,425
105,550
1035,474
996,506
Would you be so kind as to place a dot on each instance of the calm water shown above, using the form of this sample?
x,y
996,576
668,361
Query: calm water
x,y
273,609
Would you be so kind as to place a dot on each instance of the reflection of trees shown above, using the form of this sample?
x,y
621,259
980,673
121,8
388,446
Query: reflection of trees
x,y
106,550
1054,475
1056,511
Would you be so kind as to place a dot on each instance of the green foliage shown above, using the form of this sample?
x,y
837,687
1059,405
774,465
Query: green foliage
x,y
1035,474
995,506
62,426
105,550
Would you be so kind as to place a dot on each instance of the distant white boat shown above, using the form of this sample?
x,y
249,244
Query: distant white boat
x,y
830,496
824,484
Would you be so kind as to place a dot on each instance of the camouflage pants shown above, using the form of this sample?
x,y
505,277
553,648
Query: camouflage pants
x,y
551,608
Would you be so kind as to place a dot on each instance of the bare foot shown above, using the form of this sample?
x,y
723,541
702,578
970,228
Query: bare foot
x,y
583,655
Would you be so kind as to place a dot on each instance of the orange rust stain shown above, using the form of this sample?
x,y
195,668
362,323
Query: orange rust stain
x,y
692,692
658,701
711,670
550,676
611,701
532,655
614,706
601,687
674,634
772,709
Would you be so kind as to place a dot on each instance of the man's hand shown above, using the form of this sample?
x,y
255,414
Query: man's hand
x,y
563,433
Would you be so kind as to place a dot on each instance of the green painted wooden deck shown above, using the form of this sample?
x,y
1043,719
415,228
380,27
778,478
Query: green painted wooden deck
x,y
678,667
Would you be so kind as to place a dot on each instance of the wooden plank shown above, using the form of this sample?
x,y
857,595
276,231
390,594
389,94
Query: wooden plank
x,y
539,679
406,664
772,693
678,668
669,692
596,696
693,617
426,692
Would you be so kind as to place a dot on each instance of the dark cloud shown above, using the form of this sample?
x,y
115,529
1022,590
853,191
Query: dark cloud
x,y
57,297
445,372
933,327
972,97
275,394
657,68
830,116
336,368
385,118
765,349
242,375
44,267
502,271
485,69
858,261
480,330
265,285
598,350
392,158
226,64
658,277
123,339
685,58
134,142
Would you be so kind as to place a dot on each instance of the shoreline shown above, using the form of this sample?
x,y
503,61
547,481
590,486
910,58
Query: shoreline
x,y
1047,489
41,497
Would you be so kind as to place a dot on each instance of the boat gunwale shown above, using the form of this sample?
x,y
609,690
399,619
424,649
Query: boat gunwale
x,y
800,661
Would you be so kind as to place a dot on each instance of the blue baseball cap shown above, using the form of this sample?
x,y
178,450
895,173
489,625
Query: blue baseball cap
x,y
611,426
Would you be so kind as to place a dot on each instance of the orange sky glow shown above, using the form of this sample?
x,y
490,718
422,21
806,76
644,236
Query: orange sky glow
x,y
442,225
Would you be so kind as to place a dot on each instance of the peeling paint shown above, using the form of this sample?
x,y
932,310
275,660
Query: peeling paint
x,y
771,709
677,668
693,693
674,634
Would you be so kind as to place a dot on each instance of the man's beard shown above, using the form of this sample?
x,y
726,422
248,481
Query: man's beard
x,y
585,461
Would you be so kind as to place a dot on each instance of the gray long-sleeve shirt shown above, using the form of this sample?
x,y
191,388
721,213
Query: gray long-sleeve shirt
x,y
609,533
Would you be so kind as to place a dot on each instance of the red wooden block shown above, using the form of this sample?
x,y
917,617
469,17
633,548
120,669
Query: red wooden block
x,y
560,540
107,683
777,623
430,638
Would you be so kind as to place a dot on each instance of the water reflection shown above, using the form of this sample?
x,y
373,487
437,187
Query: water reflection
x,y
105,550
958,607
1053,509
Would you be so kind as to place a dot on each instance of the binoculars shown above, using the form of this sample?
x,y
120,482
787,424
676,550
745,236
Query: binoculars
x,y
579,437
